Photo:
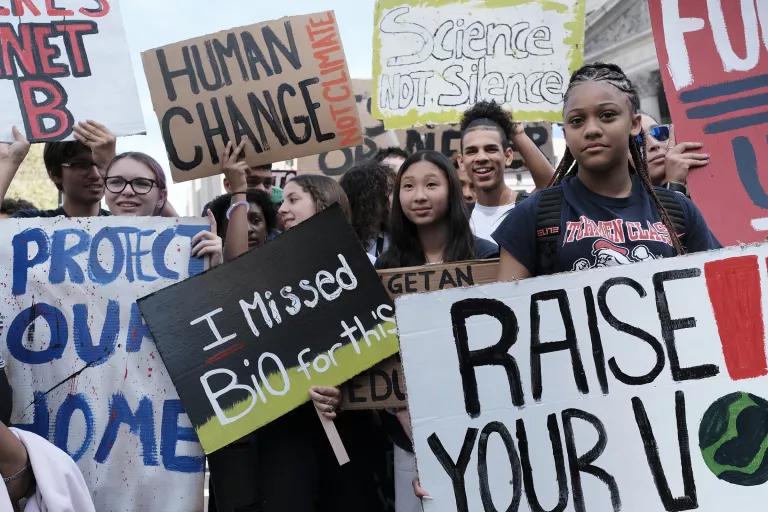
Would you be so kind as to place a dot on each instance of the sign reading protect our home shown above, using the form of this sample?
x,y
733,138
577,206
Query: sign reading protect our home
x,y
245,341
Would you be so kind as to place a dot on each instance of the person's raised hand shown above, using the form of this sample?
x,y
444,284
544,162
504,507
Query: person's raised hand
x,y
102,142
208,243
681,158
234,167
326,400
13,153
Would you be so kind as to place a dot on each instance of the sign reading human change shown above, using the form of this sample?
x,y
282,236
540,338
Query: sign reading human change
x,y
637,387
714,64
383,386
245,341
60,64
443,138
432,60
282,85
86,374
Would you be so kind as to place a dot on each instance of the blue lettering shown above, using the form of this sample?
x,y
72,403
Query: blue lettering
x,y
87,351
161,244
99,274
21,260
139,254
170,436
63,259
141,423
71,404
40,417
196,265
59,335
137,330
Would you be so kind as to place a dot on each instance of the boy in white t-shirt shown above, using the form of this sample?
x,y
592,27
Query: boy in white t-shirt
x,y
486,151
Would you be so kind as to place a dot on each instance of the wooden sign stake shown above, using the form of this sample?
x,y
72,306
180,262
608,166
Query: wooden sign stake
x,y
333,437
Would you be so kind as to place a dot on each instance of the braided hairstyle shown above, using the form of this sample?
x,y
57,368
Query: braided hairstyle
x,y
613,75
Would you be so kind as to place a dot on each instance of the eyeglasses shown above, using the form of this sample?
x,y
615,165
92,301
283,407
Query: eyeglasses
x,y
660,132
79,165
140,186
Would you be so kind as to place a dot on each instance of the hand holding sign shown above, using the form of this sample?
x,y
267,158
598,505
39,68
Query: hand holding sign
x,y
100,139
11,157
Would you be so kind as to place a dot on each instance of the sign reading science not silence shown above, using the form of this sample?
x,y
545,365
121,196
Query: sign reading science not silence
x,y
432,60
282,85
637,387
245,341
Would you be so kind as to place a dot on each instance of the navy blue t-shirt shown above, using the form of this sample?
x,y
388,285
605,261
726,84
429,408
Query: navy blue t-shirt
x,y
598,231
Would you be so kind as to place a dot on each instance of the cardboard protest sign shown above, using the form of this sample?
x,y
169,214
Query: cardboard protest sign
x,y
383,386
443,138
245,341
283,85
713,63
635,387
63,64
85,371
432,60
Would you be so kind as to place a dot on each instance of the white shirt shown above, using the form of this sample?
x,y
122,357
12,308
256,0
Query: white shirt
x,y
485,219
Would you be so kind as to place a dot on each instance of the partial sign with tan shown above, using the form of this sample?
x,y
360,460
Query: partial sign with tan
x,y
282,85
383,386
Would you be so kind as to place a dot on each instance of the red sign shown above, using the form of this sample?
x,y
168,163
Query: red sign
x,y
713,57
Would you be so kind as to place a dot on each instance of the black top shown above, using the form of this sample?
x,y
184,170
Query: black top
x,y
58,212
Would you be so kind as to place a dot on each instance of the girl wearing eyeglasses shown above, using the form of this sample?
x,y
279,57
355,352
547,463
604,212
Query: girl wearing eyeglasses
x,y
669,163
135,185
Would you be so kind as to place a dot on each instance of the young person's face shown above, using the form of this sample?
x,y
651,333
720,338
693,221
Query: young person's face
x,y
257,226
297,207
141,197
598,124
484,158
424,193
81,181
655,150
467,186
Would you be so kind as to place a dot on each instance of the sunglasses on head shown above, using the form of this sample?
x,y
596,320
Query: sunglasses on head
x,y
660,132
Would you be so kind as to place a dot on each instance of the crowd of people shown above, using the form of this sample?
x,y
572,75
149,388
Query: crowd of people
x,y
407,210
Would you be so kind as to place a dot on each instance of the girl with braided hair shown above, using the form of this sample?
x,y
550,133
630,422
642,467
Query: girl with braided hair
x,y
609,212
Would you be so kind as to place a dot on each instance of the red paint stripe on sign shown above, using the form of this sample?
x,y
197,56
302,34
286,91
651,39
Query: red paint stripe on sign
x,y
734,291
237,347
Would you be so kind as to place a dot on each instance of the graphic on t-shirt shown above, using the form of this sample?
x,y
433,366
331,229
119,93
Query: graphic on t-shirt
x,y
614,230
608,254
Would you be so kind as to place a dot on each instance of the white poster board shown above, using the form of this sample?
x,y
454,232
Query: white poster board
x,y
432,60
84,369
638,387
61,63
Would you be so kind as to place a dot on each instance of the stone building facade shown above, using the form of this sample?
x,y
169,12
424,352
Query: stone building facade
x,y
619,31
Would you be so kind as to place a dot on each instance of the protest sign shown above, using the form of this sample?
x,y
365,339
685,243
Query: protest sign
x,y
635,387
383,386
84,369
63,64
282,85
443,138
245,341
714,64
432,60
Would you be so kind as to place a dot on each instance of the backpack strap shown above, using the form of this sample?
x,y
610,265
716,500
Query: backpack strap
x,y
521,195
548,229
674,206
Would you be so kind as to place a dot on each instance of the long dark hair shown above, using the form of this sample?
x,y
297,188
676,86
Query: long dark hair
x,y
367,190
613,75
405,249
